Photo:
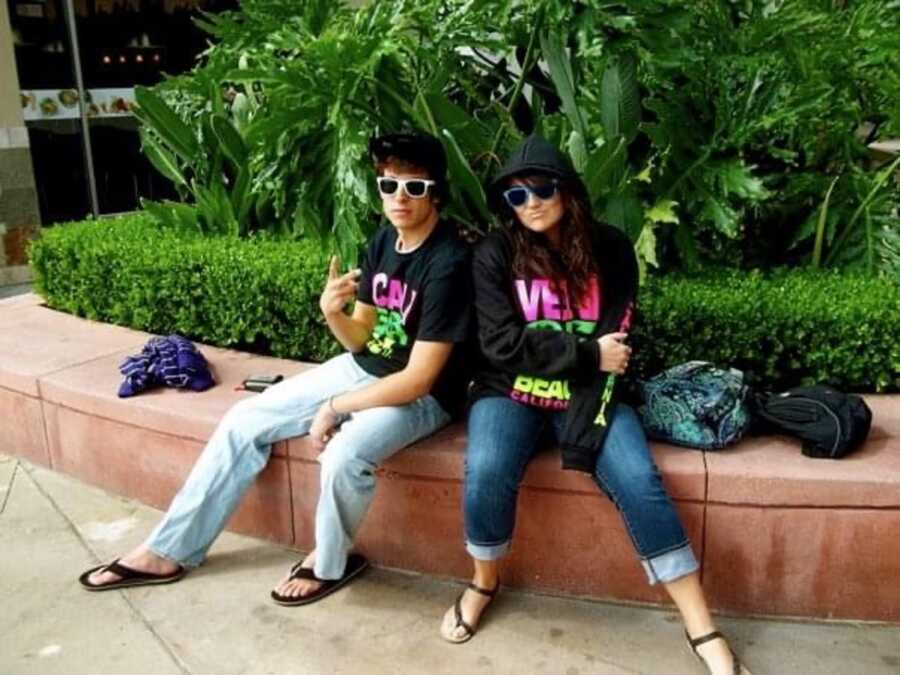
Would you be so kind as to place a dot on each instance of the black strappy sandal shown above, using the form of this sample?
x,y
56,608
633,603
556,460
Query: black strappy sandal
x,y
709,637
457,609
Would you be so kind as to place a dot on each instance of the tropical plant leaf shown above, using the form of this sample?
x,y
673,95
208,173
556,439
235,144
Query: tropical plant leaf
x,y
229,140
881,178
185,214
554,51
173,214
161,159
624,210
605,168
467,131
722,215
241,111
293,79
154,112
620,103
748,110
463,177
241,202
820,225
645,250
738,179
577,151
889,250
163,215
662,212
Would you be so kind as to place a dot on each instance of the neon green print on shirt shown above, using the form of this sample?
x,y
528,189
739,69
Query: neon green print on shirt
x,y
388,333
544,308
536,391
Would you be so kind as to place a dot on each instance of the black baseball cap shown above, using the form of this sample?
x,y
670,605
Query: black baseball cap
x,y
418,148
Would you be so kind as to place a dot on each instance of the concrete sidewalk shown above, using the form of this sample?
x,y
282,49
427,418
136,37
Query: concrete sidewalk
x,y
220,619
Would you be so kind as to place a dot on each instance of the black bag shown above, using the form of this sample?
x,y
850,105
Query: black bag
x,y
830,423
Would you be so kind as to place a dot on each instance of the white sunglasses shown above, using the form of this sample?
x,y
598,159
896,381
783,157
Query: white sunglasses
x,y
415,188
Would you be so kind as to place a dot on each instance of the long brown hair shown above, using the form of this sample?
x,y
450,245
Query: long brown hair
x,y
573,262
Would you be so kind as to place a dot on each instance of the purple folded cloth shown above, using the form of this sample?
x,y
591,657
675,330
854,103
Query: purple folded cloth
x,y
172,361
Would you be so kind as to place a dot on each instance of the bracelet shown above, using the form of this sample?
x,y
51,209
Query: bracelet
x,y
340,416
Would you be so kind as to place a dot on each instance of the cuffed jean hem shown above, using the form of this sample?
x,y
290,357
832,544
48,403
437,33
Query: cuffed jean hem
x,y
491,552
671,565
190,564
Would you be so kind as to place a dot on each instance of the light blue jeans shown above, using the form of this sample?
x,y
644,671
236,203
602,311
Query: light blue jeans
x,y
240,447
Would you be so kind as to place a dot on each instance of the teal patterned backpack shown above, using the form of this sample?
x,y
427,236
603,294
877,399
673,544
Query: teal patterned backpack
x,y
695,404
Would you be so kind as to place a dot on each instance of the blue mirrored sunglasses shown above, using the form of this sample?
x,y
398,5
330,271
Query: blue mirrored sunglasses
x,y
517,195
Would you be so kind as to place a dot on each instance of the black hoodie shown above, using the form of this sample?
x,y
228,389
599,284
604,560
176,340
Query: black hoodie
x,y
536,349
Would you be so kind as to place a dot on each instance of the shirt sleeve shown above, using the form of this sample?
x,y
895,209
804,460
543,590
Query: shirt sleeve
x,y
502,335
447,301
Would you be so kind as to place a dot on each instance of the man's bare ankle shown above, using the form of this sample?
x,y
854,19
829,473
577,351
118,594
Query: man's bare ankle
x,y
146,560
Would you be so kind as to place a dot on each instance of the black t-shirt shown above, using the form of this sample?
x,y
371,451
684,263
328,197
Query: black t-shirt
x,y
421,295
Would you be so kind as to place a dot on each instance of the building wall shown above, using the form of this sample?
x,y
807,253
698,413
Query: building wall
x,y
19,215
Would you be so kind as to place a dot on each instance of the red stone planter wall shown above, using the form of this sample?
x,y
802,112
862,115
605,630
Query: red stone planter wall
x,y
776,533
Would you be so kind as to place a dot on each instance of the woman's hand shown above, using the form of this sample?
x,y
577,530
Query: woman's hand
x,y
339,289
614,353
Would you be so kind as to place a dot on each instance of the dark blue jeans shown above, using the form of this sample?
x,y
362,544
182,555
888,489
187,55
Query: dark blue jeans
x,y
503,437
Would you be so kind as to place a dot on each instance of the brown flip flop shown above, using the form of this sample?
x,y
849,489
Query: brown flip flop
x,y
355,565
130,577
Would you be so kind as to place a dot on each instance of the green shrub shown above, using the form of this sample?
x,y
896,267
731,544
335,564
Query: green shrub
x,y
782,329
257,294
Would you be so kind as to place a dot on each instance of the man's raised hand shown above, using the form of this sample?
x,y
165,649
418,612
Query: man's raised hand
x,y
339,290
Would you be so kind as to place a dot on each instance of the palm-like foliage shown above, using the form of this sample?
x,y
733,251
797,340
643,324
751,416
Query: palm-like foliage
x,y
709,131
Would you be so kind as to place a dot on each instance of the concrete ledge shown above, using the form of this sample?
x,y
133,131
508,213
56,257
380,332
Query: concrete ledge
x,y
15,275
564,525
36,342
771,471
776,533
22,426
830,563
189,414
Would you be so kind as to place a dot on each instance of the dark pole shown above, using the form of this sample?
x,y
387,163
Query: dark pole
x,y
82,106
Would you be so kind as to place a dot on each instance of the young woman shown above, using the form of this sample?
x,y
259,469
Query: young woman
x,y
554,295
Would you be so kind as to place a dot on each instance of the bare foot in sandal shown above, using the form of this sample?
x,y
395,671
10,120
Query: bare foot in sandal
x,y
461,621
298,588
141,567
140,559
303,587
715,653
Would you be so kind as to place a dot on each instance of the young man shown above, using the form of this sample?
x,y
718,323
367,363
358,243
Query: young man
x,y
400,380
